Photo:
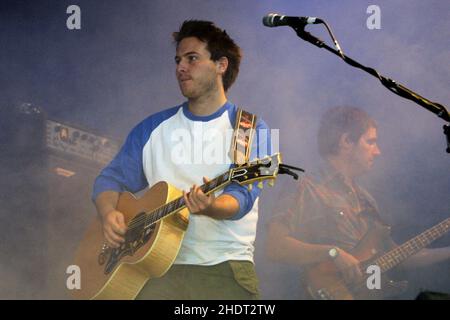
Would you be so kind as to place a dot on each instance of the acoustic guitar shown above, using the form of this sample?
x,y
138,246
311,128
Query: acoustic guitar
x,y
156,224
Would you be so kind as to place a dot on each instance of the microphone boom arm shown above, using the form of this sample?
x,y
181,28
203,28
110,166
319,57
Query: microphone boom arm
x,y
390,84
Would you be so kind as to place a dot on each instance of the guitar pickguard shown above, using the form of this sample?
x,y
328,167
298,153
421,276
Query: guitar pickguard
x,y
133,242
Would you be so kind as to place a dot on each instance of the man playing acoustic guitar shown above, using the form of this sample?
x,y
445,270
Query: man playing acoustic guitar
x,y
181,145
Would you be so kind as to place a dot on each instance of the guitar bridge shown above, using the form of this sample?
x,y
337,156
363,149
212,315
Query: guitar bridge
x,y
102,257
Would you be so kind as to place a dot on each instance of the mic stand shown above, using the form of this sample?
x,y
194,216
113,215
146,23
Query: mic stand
x,y
392,85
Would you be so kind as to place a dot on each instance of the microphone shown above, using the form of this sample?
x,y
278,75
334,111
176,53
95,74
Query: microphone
x,y
276,20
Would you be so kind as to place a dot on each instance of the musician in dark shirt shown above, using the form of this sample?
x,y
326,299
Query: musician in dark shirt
x,y
329,215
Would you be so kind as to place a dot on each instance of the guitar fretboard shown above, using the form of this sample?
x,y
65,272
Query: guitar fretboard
x,y
400,253
178,204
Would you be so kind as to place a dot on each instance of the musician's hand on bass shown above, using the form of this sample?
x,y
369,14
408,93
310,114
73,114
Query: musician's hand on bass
x,y
114,228
349,266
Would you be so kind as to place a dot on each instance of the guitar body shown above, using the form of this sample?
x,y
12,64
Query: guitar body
x,y
121,274
325,281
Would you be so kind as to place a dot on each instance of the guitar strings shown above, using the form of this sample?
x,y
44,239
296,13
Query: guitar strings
x,y
396,252
215,182
145,217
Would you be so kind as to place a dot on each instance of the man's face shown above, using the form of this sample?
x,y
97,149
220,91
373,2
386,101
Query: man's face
x,y
196,73
365,151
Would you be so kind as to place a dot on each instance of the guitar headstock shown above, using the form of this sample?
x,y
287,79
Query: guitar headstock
x,y
257,170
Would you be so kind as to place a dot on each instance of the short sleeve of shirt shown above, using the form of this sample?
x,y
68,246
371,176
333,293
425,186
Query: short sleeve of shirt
x,y
301,211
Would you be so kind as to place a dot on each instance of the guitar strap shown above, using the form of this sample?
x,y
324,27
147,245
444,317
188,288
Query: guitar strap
x,y
243,134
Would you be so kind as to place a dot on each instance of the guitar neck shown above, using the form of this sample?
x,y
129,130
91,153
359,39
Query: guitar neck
x,y
256,170
179,204
409,248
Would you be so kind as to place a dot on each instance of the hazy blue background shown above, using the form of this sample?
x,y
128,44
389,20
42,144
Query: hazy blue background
x,y
119,68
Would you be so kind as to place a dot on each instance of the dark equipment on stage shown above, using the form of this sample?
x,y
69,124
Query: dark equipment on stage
x,y
430,295
48,169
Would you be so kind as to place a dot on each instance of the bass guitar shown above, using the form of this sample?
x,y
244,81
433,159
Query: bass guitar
x,y
326,283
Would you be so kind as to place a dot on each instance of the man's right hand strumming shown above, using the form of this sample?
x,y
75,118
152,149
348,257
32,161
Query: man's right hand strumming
x,y
113,221
348,265
114,228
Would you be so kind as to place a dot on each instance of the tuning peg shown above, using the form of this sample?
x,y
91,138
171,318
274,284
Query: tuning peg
x,y
271,183
250,187
260,185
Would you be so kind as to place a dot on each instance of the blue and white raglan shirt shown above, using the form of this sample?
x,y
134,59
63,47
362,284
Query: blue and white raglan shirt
x,y
181,148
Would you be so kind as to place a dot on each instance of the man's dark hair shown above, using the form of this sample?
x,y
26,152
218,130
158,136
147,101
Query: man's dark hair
x,y
337,121
218,42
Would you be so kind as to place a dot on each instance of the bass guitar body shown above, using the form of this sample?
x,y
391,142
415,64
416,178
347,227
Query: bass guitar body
x,y
325,281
